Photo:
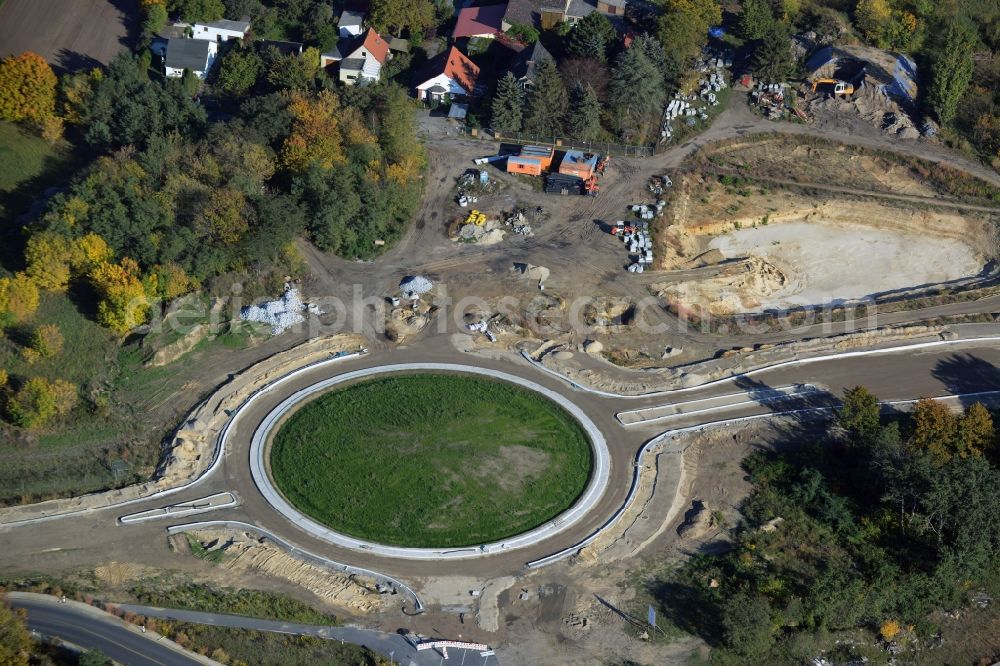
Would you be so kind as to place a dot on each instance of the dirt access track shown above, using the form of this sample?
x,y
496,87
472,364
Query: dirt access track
x,y
70,34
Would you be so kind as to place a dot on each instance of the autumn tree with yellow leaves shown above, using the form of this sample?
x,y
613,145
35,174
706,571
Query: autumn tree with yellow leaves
x,y
27,88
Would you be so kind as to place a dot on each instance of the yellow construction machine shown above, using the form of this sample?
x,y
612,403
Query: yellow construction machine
x,y
839,87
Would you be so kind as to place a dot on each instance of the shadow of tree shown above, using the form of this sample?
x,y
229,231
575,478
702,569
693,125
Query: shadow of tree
x,y
67,60
967,373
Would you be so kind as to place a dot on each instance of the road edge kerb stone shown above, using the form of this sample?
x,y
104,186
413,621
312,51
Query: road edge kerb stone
x,y
594,491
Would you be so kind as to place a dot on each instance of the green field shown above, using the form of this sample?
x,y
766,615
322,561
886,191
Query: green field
x,y
27,166
431,460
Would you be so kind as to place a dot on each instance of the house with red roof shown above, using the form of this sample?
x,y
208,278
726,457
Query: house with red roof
x,y
451,74
360,59
479,22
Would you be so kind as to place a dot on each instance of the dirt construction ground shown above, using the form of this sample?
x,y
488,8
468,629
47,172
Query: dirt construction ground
x,y
87,33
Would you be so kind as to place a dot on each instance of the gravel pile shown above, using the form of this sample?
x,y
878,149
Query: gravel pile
x,y
280,314
415,286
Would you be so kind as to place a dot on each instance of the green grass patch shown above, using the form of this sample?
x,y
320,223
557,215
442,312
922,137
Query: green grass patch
x,y
431,460
249,603
28,165
203,553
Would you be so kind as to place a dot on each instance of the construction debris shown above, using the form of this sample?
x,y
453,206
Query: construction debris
x,y
282,313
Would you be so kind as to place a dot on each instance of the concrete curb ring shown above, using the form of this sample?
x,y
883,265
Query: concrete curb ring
x,y
596,486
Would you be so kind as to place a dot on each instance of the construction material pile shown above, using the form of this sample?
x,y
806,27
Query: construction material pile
x,y
769,98
691,107
279,314
636,237
415,286
872,103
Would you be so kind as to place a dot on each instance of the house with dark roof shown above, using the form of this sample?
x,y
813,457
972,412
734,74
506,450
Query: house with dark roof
x,y
547,14
525,63
360,59
450,75
196,55
484,22
351,22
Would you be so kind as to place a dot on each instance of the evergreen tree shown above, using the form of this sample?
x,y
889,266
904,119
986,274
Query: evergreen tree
x,y
773,60
636,94
585,113
548,102
755,19
591,37
653,50
508,105
951,70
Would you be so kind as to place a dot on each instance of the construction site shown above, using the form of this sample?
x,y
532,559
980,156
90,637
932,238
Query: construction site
x,y
613,281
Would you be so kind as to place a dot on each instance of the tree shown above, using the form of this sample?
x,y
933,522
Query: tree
x,y
772,60
636,95
525,34
746,624
395,16
18,298
975,431
27,88
755,19
548,102
239,71
294,71
74,94
684,26
97,658
591,37
15,642
859,415
197,10
951,70
872,17
47,340
508,105
155,19
668,67
585,114
37,401
315,137
123,304
223,216
586,71
935,429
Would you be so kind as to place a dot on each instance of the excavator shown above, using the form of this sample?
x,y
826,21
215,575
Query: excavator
x,y
839,87
591,186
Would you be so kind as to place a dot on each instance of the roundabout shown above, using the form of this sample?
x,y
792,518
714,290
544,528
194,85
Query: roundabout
x,y
505,454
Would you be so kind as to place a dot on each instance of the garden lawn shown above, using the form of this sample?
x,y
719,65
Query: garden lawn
x,y
432,460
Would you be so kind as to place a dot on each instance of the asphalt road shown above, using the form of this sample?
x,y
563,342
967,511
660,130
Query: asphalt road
x,y
390,645
91,628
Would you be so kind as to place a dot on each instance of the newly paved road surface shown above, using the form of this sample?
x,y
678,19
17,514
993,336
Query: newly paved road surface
x,y
91,628
394,646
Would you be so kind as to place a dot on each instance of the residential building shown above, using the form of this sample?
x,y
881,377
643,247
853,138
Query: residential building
x,y
360,59
525,63
547,14
486,22
284,48
351,23
220,31
196,55
450,75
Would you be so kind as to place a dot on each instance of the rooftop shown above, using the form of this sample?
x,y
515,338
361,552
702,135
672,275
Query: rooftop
x,y
225,24
524,63
351,17
187,54
474,21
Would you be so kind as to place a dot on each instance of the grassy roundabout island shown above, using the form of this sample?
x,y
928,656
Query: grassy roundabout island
x,y
431,460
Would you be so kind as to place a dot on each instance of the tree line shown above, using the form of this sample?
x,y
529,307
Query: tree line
x,y
872,525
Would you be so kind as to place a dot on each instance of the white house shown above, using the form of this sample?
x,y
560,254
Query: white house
x,y
221,31
350,23
360,58
453,75
198,55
